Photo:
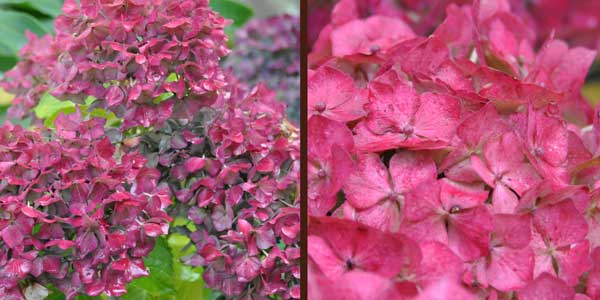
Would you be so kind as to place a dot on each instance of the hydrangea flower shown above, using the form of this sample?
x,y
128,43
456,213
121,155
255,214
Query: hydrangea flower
x,y
77,212
343,253
319,13
339,99
268,50
81,212
233,171
471,145
143,60
28,80
572,21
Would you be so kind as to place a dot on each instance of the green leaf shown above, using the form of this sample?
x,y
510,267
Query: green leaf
x,y
3,110
169,279
55,294
111,118
7,62
50,107
238,12
591,91
163,97
83,297
49,25
5,97
172,77
188,282
51,8
188,290
13,25
159,285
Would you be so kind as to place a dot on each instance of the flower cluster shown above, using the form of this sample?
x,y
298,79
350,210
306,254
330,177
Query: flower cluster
x,y
233,171
28,81
573,21
462,163
75,212
81,205
268,50
319,14
143,60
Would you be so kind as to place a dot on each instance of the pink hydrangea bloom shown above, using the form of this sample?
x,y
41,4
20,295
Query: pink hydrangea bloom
x,y
76,212
471,143
28,80
128,54
233,171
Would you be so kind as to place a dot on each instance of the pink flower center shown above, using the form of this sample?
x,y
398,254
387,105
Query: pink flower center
x,y
407,129
349,265
538,151
320,107
322,174
498,177
455,209
374,49
395,196
553,109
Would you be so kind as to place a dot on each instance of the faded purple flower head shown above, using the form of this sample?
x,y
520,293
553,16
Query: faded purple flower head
x,y
234,171
75,212
268,50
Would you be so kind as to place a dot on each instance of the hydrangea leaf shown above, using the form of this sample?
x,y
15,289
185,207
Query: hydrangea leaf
x,y
55,294
3,114
169,278
591,92
12,29
5,97
188,282
51,8
111,118
48,122
233,10
238,12
50,106
6,61
160,282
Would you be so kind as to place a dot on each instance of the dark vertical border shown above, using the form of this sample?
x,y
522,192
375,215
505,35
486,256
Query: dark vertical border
x,y
303,150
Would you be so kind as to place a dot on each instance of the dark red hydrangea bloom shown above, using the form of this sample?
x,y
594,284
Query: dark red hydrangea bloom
x,y
233,171
76,212
28,81
129,54
268,50
469,145
319,14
